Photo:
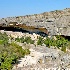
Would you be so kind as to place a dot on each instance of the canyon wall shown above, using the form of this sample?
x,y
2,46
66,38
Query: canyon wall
x,y
56,22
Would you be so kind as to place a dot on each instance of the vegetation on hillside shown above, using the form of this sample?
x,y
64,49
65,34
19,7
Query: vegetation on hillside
x,y
9,53
40,41
60,43
25,39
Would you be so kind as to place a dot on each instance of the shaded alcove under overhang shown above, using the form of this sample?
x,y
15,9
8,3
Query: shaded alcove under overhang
x,y
14,29
66,37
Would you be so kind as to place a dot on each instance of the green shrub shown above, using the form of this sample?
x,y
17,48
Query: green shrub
x,y
4,39
49,42
40,41
63,48
10,54
26,39
18,39
61,42
22,39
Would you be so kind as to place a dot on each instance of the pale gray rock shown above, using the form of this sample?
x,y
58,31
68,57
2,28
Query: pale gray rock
x,y
56,22
47,58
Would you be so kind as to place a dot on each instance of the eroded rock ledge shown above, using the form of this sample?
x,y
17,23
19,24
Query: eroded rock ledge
x,y
56,22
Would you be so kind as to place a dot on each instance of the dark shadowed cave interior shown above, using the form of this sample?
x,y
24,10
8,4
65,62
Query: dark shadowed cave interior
x,y
66,37
24,31
21,30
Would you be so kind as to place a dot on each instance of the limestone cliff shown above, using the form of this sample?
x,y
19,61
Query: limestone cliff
x,y
56,22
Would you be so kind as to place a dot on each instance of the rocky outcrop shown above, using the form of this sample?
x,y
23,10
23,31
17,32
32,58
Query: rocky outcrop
x,y
40,57
44,58
56,22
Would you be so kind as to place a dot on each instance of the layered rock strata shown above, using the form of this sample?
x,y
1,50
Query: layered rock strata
x,y
56,22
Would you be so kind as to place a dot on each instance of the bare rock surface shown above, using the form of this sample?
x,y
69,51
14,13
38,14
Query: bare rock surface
x,y
56,22
42,58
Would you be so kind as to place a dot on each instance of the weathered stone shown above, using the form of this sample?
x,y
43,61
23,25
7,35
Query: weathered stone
x,y
56,22
44,57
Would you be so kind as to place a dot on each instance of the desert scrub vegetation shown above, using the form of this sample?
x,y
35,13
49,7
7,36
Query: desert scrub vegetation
x,y
10,53
4,39
25,39
40,41
60,43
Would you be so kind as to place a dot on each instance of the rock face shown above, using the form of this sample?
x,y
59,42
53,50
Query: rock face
x,y
56,22
44,58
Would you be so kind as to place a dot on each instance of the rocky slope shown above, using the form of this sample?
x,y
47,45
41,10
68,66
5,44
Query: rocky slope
x,y
40,57
56,22
44,58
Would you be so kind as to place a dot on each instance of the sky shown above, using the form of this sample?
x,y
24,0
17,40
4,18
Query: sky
x,y
11,8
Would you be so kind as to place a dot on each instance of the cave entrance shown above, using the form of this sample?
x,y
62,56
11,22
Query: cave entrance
x,y
22,30
13,29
